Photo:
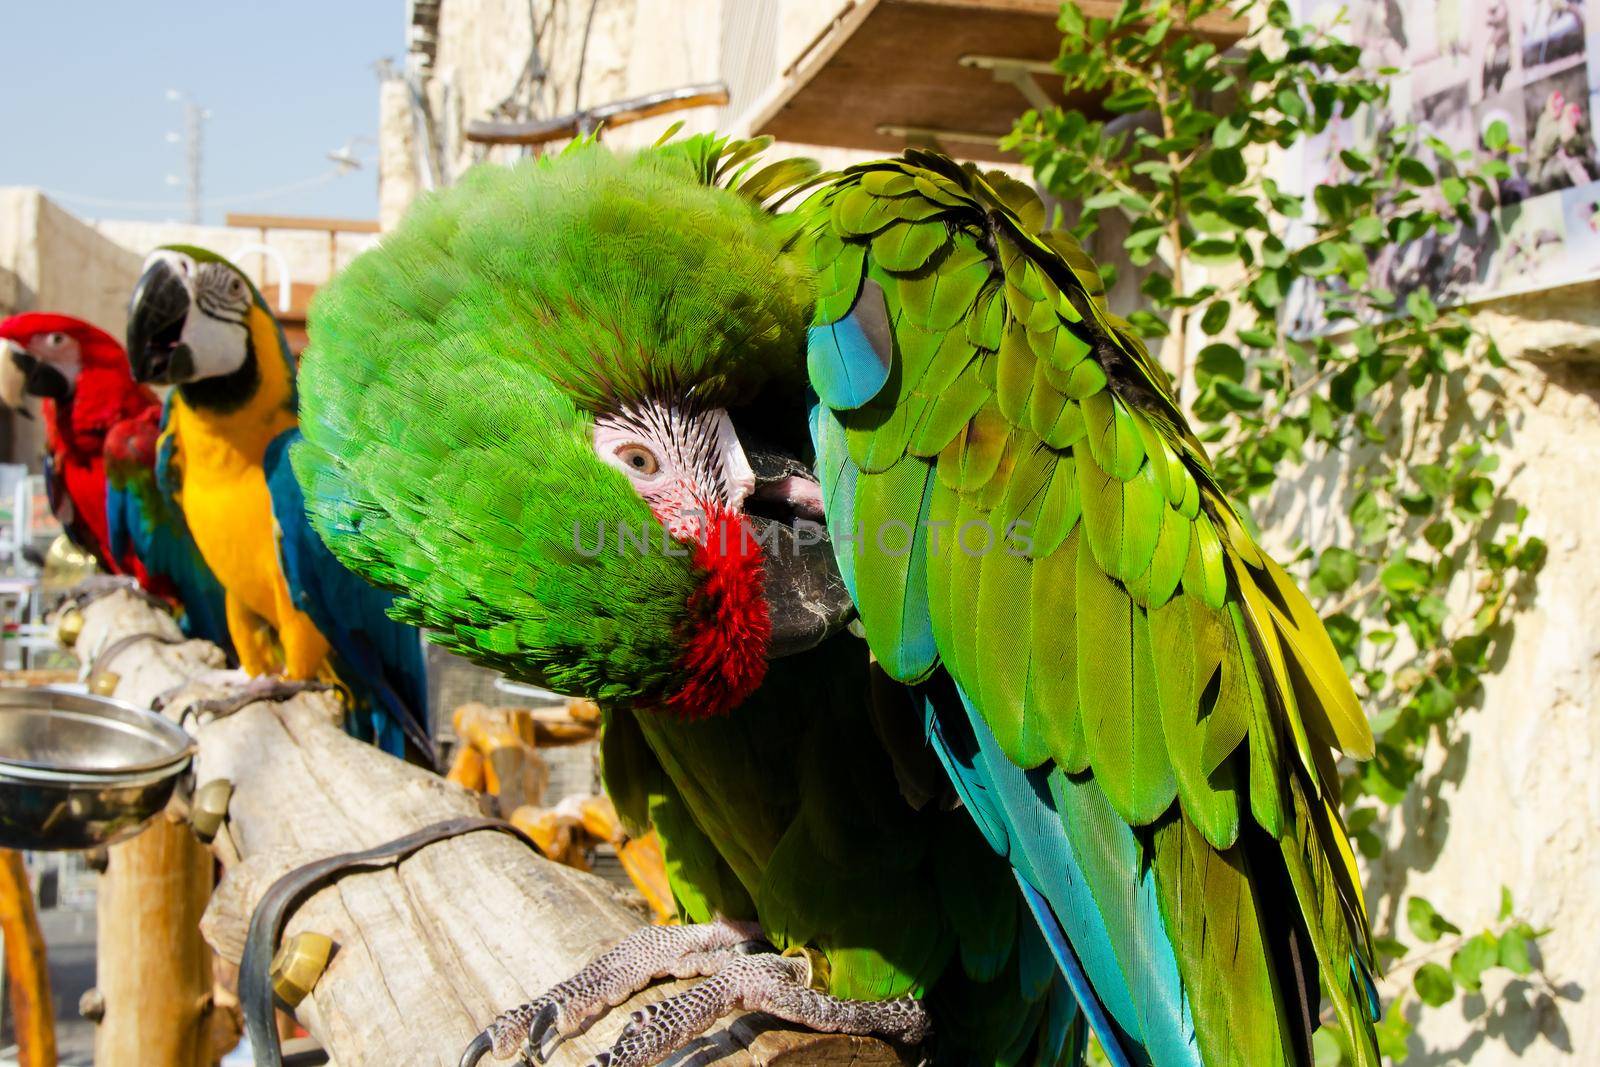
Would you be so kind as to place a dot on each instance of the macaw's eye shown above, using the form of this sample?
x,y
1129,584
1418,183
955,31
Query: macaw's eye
x,y
55,340
638,460
236,286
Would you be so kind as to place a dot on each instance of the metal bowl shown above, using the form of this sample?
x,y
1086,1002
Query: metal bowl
x,y
78,771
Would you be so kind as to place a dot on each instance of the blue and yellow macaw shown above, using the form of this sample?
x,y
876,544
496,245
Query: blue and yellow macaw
x,y
195,321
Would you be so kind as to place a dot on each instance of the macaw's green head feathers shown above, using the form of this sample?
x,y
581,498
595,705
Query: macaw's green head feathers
x,y
620,279
525,411
197,321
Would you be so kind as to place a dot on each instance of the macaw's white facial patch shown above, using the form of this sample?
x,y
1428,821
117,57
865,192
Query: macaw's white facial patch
x,y
58,350
216,330
686,463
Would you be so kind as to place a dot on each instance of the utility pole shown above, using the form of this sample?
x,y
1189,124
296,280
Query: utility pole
x,y
194,117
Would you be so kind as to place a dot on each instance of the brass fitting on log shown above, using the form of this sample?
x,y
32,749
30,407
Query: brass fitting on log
x,y
298,964
104,683
69,626
209,808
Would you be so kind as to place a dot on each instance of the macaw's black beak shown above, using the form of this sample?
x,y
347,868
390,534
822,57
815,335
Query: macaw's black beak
x,y
805,593
156,314
25,374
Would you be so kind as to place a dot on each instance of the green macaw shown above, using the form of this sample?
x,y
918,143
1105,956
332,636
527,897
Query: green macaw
x,y
615,424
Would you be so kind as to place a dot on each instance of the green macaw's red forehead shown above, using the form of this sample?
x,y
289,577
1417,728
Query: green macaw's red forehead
x,y
449,393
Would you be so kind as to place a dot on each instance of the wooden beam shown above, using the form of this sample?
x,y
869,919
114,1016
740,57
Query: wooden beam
x,y
153,969
970,66
33,1017
428,951
1217,23
301,222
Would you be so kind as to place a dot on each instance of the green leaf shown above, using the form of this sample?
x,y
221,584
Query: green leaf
x,y
1228,166
1497,136
1415,171
1421,307
1405,575
1355,161
1218,360
1505,903
1214,251
1215,318
1368,229
1426,923
1229,133
1434,985
1132,99
1514,951
1237,396
1475,956
1475,496
1336,571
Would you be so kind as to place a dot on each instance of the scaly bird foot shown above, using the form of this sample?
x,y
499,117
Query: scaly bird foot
x,y
614,976
777,985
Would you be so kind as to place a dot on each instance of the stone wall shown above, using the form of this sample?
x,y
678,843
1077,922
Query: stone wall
x,y
1518,802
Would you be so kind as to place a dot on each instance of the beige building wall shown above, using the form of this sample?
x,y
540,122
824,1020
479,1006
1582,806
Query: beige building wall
x,y
472,62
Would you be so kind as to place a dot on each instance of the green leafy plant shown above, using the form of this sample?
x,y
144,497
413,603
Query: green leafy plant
x,y
1305,331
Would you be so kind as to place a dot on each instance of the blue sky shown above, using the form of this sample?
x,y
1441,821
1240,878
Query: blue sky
x,y
84,108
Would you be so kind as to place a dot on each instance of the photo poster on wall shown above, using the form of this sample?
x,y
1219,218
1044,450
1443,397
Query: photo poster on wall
x,y
1463,65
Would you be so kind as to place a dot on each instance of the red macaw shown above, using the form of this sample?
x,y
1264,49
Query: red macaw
x,y
81,375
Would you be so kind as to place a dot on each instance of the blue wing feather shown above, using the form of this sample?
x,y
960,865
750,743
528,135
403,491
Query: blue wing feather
x,y
845,369
382,658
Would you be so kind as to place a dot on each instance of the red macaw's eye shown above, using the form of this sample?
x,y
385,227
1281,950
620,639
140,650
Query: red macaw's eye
x,y
639,459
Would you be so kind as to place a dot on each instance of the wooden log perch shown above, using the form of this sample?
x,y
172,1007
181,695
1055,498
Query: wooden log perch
x,y
425,952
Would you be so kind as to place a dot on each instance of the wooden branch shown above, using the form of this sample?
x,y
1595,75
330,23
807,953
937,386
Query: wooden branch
x,y
153,970
428,951
27,977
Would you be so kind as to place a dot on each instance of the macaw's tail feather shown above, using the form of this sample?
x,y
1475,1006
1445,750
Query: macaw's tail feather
x,y
1111,1038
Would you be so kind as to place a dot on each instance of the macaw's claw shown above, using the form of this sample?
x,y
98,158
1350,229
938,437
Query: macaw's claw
x,y
536,1028
773,984
741,971
257,689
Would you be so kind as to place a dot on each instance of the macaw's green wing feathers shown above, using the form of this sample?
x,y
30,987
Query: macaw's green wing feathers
x,y
1028,509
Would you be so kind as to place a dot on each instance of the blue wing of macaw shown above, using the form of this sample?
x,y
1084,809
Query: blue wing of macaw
x,y
380,659
142,514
